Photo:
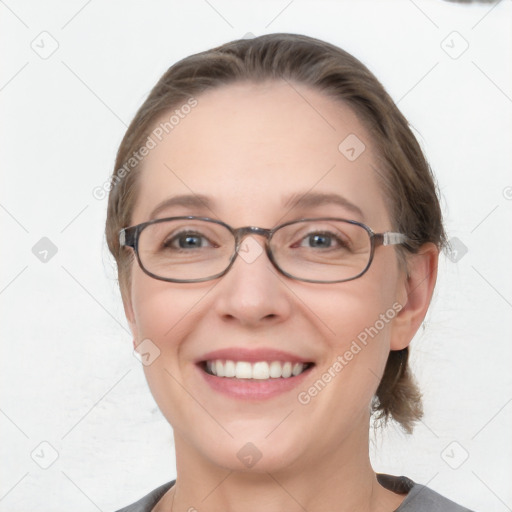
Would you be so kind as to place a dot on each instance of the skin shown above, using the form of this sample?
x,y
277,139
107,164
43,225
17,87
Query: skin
x,y
246,146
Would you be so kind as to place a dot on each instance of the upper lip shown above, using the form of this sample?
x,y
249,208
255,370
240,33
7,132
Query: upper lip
x,y
252,355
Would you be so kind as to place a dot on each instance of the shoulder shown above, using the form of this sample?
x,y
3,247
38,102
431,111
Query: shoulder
x,y
423,499
420,498
147,502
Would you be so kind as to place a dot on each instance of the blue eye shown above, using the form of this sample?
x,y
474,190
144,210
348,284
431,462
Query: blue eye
x,y
319,240
189,241
186,240
322,240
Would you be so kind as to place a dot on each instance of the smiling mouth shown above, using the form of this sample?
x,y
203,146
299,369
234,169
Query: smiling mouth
x,y
259,370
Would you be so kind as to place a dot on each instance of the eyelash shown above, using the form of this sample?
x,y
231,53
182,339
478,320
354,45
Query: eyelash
x,y
167,243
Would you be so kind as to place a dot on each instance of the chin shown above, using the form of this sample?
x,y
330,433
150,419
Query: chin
x,y
253,457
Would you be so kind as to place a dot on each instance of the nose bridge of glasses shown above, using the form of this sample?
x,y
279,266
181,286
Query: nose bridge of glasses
x,y
243,232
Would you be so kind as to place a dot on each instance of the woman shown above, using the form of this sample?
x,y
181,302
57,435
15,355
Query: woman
x,y
276,230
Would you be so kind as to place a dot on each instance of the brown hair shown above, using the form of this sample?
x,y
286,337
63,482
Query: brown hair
x,y
405,175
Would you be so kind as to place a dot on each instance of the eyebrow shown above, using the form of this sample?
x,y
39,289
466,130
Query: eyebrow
x,y
315,199
192,201
299,200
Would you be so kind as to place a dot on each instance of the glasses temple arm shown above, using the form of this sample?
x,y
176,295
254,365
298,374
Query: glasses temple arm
x,y
391,238
127,237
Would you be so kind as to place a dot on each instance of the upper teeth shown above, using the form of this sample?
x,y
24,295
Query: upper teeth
x,y
259,370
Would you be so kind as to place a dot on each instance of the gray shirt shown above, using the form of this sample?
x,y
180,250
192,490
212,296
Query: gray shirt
x,y
419,497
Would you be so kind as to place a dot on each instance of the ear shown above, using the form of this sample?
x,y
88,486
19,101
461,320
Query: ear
x,y
415,294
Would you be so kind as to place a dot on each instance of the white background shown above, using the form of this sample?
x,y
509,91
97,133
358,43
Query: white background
x,y
68,374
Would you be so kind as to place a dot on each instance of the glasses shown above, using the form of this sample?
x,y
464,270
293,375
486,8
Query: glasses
x,y
193,249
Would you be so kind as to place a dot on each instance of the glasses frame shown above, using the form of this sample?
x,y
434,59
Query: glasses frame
x,y
129,237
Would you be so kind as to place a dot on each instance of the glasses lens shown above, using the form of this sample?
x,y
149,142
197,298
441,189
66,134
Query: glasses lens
x,y
322,250
185,249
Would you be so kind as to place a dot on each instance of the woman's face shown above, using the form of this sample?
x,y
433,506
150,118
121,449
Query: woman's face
x,y
250,148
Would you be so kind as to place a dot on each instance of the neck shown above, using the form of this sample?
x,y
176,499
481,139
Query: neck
x,y
340,479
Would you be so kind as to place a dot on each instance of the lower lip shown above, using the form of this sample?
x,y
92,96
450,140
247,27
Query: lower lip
x,y
253,389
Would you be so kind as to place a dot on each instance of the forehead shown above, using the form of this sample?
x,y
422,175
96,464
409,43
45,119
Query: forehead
x,y
249,147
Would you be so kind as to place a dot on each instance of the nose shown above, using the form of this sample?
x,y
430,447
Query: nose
x,y
252,292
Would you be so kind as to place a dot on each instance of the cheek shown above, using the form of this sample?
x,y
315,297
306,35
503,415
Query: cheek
x,y
152,311
356,318
362,339
165,314
357,348
348,310
161,309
